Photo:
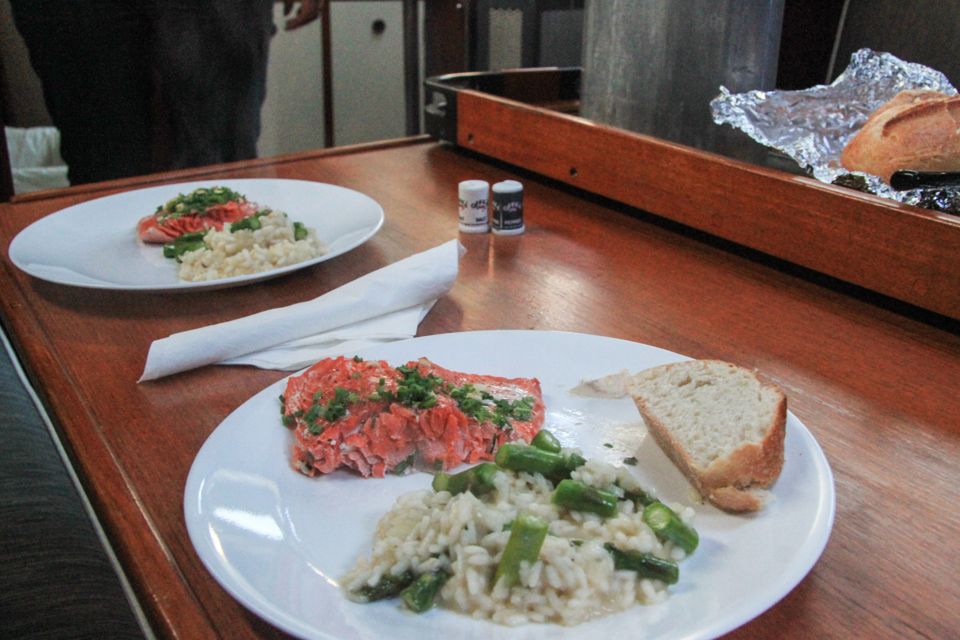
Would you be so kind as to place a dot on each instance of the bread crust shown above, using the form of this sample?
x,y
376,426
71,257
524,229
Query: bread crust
x,y
916,130
738,481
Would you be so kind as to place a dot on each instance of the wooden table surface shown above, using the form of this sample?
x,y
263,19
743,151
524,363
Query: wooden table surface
x,y
875,385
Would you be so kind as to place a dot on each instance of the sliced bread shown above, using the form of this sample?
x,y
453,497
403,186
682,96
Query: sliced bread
x,y
721,425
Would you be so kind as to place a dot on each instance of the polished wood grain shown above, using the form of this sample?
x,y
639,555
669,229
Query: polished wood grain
x,y
897,250
875,387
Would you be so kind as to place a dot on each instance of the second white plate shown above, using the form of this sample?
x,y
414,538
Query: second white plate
x,y
94,244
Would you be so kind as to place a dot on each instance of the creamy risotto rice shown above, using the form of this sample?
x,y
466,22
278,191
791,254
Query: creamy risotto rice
x,y
573,580
247,251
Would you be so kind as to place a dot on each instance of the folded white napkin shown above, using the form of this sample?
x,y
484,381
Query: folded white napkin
x,y
382,306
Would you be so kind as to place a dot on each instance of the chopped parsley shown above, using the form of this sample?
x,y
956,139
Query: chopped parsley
x,y
287,420
403,465
381,393
418,391
198,201
331,411
336,406
483,407
413,390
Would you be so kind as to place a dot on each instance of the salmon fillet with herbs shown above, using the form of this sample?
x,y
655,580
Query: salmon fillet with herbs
x,y
198,210
377,419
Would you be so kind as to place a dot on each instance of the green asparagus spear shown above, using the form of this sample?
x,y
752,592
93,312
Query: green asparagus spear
x,y
420,595
184,243
390,586
253,223
530,459
546,441
300,232
526,538
477,480
639,496
644,564
192,236
580,497
572,462
669,527
553,466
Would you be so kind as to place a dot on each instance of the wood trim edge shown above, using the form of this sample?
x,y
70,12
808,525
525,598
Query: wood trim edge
x,y
199,173
173,613
904,252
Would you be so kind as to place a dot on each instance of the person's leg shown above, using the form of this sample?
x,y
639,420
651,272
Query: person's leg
x,y
212,59
91,59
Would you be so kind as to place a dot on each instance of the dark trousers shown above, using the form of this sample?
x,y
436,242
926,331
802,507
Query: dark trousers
x,y
140,85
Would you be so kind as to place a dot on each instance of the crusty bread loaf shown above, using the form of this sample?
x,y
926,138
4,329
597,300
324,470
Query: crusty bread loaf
x,y
917,130
720,425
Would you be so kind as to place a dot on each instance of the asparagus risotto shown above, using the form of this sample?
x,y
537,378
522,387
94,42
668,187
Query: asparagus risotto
x,y
568,542
269,240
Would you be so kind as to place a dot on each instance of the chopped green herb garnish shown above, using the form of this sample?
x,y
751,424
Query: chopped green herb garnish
x,y
416,391
311,417
632,461
404,465
483,407
381,394
331,411
198,201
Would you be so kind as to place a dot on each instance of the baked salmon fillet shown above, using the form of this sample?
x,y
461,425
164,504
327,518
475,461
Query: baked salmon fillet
x,y
376,419
198,210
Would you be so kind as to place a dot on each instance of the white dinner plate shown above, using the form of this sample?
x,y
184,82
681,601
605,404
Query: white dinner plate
x,y
279,541
94,244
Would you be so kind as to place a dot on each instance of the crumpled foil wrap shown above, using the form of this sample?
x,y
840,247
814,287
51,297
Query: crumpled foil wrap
x,y
814,125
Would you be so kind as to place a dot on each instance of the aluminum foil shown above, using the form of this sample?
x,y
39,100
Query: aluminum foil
x,y
814,125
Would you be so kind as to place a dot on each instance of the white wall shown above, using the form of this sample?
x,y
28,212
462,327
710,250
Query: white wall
x,y
368,91
292,116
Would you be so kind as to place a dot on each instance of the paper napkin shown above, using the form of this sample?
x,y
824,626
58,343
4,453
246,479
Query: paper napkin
x,y
382,306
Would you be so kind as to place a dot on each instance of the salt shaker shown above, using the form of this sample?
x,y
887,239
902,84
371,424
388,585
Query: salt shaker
x,y
474,195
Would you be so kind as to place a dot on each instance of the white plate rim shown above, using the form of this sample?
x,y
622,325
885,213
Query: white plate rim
x,y
152,198
813,547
